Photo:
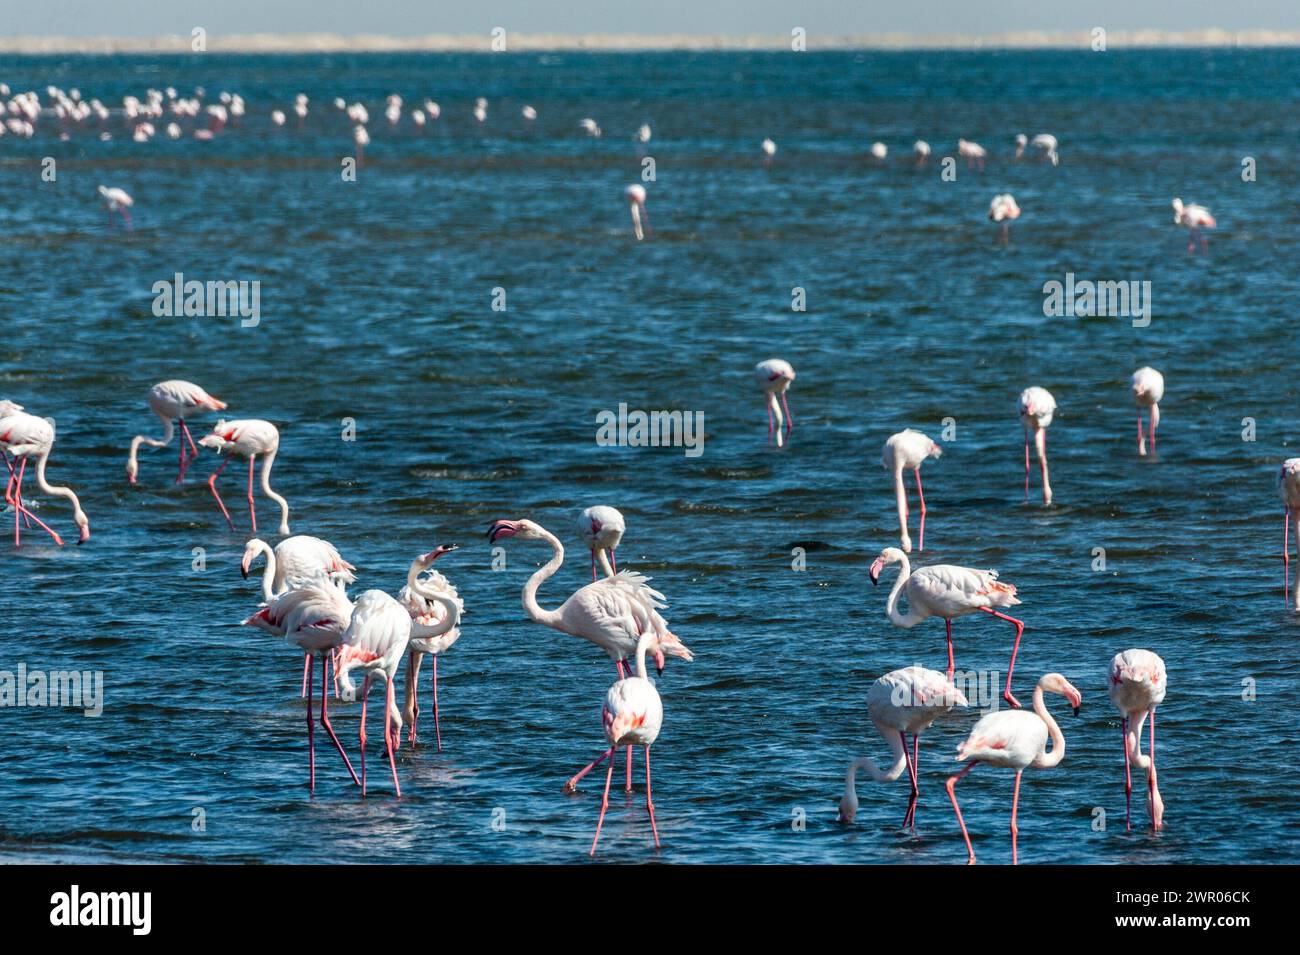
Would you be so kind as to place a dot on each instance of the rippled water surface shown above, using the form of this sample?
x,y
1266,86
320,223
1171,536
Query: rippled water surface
x,y
376,305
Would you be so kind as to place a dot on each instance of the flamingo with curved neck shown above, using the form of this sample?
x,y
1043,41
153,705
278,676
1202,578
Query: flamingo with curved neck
x,y
427,638
24,435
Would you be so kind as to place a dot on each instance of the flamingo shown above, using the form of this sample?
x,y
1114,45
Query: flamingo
x,y
173,399
612,613
1036,408
901,702
879,151
296,561
361,139
277,117
1015,739
1288,486
247,438
1003,210
635,195
1021,142
769,150
1137,686
643,134
601,528
908,449
973,153
117,200
315,617
590,127
946,591
1046,143
774,377
375,641
1148,389
528,113
1194,218
435,608
632,716
921,150
24,435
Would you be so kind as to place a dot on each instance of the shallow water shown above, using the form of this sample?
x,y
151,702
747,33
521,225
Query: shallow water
x,y
376,306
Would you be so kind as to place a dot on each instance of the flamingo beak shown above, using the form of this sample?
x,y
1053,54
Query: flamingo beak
x,y
874,572
85,535
501,529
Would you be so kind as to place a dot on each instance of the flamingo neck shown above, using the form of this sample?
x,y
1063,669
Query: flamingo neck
x,y
266,489
879,775
911,618
1048,759
139,439
66,492
774,408
642,645
451,615
602,558
550,618
268,572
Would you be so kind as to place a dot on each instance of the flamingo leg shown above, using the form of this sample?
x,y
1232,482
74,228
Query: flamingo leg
x,y
1128,780
952,794
311,733
1015,805
604,804
252,512
15,500
325,718
1026,466
437,728
306,675
920,546
948,627
365,693
212,486
1153,791
1142,439
789,418
649,803
627,762
1040,442
1011,667
391,735
185,457
26,520
413,676
572,785
910,816
769,423
1286,556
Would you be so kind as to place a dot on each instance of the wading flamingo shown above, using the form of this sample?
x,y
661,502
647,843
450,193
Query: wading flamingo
x,y
769,149
1137,687
1003,210
635,195
435,608
1021,142
943,590
908,449
169,400
1148,387
901,702
879,151
601,529
314,617
374,642
117,200
296,561
247,438
1195,219
973,153
1288,486
774,377
1036,408
1045,143
1015,739
632,716
921,151
612,613
24,436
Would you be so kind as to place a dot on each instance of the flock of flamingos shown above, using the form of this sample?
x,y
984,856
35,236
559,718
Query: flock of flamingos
x,y
304,579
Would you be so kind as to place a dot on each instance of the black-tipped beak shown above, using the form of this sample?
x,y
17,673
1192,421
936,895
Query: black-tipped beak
x,y
659,670
874,579
1076,711
492,532
243,570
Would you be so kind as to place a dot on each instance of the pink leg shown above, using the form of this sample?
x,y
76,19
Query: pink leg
x,y
789,418
212,486
572,785
1128,780
252,513
1286,556
1151,776
1011,667
1142,438
948,626
311,735
952,794
628,763
910,815
921,494
604,804
415,695
306,675
391,734
325,718
770,425
1015,805
649,803
365,694
437,728
180,457
1026,467
193,452
16,501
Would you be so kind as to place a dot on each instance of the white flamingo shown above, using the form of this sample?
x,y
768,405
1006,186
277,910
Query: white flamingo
x,y
973,153
635,195
773,377
435,608
1195,219
25,436
173,400
1036,407
1148,387
1046,144
908,449
947,591
601,529
1137,686
1288,487
901,702
1003,210
295,561
117,200
247,438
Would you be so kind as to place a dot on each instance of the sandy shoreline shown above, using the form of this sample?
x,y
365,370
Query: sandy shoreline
x,y
445,43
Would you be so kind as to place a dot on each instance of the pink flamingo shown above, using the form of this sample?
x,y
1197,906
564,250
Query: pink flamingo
x,y
774,377
315,617
908,449
635,195
435,608
24,435
901,702
601,529
117,200
1015,739
1137,686
1003,210
1288,486
375,642
943,590
1036,407
173,399
973,153
632,715
1148,387
248,438
612,613
1194,219
296,561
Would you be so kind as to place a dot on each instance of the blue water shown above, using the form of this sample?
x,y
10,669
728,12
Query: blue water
x,y
376,305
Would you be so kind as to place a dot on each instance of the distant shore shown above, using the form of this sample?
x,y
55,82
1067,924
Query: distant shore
x,y
539,42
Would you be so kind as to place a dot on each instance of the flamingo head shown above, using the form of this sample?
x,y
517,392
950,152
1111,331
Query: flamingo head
x,y
426,559
251,550
83,523
848,807
524,530
1055,683
890,555
1178,210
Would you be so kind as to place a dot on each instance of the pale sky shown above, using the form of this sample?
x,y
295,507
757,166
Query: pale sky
x,y
729,17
